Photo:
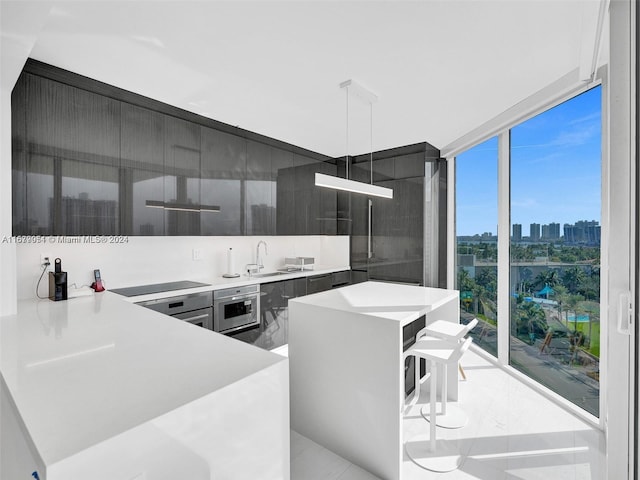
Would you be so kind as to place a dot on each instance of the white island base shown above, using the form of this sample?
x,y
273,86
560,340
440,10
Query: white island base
x,y
347,371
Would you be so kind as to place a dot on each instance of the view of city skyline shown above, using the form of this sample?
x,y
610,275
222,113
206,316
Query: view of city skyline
x,y
580,232
555,172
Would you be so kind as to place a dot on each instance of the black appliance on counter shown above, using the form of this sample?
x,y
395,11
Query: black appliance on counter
x,y
57,282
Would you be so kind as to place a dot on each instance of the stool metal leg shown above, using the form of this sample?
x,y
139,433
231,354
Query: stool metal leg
x,y
443,392
432,403
450,416
427,452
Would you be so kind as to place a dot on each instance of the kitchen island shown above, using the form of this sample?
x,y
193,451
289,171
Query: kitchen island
x,y
347,370
95,387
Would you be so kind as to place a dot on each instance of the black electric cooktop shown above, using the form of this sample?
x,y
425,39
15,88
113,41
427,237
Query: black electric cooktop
x,y
157,288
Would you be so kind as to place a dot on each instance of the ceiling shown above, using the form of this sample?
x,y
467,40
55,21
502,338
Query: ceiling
x,y
439,68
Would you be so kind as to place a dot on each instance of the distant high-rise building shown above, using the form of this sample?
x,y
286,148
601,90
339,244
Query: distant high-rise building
x,y
551,231
545,232
517,232
582,232
534,232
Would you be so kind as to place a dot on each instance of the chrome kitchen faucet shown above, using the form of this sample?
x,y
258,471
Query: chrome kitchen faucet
x,y
258,259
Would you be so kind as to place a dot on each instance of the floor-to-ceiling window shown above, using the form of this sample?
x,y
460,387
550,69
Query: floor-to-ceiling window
x,y
476,240
555,248
553,253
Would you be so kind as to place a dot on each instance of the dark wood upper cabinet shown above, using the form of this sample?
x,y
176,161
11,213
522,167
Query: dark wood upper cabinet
x,y
93,159
223,169
20,212
259,206
182,176
315,207
282,193
72,160
141,170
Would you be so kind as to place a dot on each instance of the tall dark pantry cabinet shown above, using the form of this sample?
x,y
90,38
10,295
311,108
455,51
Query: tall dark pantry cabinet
x,y
399,239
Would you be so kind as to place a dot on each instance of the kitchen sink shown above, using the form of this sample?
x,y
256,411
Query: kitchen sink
x,y
268,274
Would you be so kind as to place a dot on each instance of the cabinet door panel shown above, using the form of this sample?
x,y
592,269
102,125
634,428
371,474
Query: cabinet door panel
x,y
259,212
182,176
282,193
325,203
397,233
359,216
73,159
315,207
411,165
222,182
274,317
142,170
20,224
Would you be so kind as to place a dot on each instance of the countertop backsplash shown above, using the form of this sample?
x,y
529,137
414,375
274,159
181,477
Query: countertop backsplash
x,y
142,260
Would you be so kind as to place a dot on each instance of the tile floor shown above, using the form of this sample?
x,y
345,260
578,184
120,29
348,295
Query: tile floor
x,y
514,433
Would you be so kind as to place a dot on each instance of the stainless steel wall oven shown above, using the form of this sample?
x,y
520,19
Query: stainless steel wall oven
x,y
236,308
193,308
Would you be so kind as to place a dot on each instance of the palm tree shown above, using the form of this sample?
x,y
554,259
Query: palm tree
x,y
547,277
573,304
573,278
561,297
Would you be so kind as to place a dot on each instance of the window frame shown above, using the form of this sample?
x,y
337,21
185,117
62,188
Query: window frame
x,y
537,104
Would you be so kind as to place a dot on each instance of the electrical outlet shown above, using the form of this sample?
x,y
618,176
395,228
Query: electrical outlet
x,y
45,258
196,254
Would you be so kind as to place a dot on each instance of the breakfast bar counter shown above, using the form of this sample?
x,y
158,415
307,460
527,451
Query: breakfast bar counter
x,y
347,370
96,387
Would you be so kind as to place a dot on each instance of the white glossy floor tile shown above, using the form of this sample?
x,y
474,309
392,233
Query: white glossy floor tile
x,y
310,461
514,433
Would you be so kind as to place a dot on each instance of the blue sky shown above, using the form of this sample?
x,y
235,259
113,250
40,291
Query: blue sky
x,y
555,170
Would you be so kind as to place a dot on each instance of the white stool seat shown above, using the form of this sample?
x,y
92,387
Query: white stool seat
x,y
447,330
437,352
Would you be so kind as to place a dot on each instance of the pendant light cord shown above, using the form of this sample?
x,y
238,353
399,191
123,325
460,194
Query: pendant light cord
x,y
346,158
371,138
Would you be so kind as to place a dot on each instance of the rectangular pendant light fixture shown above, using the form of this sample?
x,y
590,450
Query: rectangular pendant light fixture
x,y
338,183
345,184
181,207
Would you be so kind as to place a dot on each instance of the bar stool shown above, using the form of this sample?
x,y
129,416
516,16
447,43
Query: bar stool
x,y
450,416
438,353
447,330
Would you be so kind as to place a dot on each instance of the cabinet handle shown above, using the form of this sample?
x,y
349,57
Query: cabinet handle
x,y
369,233
316,279
176,304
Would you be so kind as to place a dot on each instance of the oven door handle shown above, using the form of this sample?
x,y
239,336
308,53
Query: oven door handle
x,y
235,299
195,317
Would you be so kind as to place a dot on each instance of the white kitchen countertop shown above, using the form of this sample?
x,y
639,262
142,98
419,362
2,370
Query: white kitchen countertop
x,y
218,283
391,301
82,371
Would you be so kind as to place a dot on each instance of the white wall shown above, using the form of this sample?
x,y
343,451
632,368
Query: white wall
x,y
20,23
144,260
